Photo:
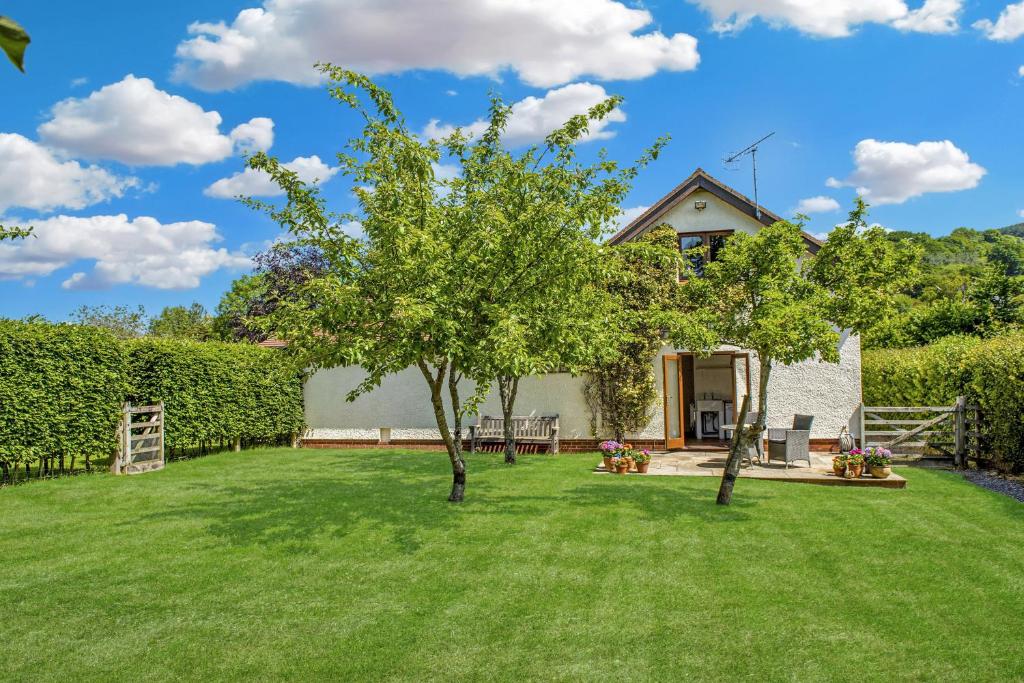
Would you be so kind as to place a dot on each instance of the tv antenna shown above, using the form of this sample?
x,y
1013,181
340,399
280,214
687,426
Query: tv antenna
x,y
752,151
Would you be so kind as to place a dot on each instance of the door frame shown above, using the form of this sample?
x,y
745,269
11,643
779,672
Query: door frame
x,y
678,357
674,443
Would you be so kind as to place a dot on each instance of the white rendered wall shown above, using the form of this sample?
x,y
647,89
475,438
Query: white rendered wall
x,y
717,216
830,392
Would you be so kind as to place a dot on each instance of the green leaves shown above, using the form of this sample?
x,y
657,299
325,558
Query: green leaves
x,y
989,373
12,232
62,386
61,389
13,41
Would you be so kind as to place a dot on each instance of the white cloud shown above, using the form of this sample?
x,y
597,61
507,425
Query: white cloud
x,y
141,252
545,43
81,80
1021,213
256,135
934,16
534,117
1009,26
893,172
133,122
32,177
1020,71
819,204
254,183
832,18
628,216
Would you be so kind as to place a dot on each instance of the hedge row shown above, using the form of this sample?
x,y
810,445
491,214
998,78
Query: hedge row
x,y
989,373
62,387
215,391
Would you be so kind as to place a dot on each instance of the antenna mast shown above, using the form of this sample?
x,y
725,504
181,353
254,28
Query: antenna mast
x,y
752,151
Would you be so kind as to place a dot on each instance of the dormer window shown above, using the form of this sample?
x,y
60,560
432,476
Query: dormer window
x,y
710,245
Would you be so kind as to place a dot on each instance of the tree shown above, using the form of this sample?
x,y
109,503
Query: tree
x,y
246,310
233,318
123,321
180,322
645,287
13,41
765,293
536,219
416,289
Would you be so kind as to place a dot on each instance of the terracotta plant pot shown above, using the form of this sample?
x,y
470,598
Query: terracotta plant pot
x,y
631,463
857,470
838,470
608,462
623,468
641,467
880,471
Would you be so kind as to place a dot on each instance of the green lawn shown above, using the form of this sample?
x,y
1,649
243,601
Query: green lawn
x,y
350,565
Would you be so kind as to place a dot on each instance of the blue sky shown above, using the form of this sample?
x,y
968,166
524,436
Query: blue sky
x,y
852,89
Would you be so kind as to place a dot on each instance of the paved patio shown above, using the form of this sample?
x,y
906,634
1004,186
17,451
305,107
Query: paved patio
x,y
712,464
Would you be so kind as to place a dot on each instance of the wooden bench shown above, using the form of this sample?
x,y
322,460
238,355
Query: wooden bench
x,y
525,429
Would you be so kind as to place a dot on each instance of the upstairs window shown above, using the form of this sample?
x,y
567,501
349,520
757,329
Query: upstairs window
x,y
710,245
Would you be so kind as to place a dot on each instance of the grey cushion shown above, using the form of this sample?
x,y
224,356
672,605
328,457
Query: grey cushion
x,y
802,422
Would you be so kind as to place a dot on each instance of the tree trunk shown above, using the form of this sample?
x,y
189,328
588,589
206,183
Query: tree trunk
x,y
454,451
458,463
740,441
507,387
765,364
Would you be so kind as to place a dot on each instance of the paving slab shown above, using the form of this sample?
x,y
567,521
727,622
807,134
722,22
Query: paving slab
x,y
712,464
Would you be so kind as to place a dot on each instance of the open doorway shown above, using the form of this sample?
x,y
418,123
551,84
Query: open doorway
x,y
701,397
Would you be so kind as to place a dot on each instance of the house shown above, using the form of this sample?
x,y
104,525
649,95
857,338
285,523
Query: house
x,y
699,395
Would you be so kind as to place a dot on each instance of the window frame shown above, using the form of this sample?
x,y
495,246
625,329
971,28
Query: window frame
x,y
705,236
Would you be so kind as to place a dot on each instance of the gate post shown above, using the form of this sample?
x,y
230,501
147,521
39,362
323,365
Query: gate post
x,y
163,422
959,427
124,438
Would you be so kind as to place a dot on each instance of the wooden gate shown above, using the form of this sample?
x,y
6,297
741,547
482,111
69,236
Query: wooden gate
x,y
923,433
140,440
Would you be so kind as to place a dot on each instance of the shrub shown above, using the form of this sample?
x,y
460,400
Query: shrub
x,y
921,376
216,391
989,373
61,389
996,371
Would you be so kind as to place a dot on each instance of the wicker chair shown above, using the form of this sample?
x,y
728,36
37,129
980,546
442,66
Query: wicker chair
x,y
791,445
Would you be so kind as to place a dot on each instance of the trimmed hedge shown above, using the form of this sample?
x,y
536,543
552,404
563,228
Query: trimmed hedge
x,y
62,387
989,373
216,391
931,375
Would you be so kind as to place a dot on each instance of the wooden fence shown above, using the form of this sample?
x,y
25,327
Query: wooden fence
x,y
935,433
140,440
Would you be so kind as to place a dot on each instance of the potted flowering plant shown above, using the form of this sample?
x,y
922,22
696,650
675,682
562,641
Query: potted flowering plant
x,y
642,460
621,464
610,449
879,462
839,465
855,463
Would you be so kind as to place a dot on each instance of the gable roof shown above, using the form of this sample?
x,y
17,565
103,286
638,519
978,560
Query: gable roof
x,y
700,180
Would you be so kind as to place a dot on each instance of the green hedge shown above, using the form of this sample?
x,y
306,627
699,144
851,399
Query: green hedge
x,y
989,373
215,391
62,387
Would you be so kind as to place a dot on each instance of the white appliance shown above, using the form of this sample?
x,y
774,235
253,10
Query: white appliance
x,y
710,418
